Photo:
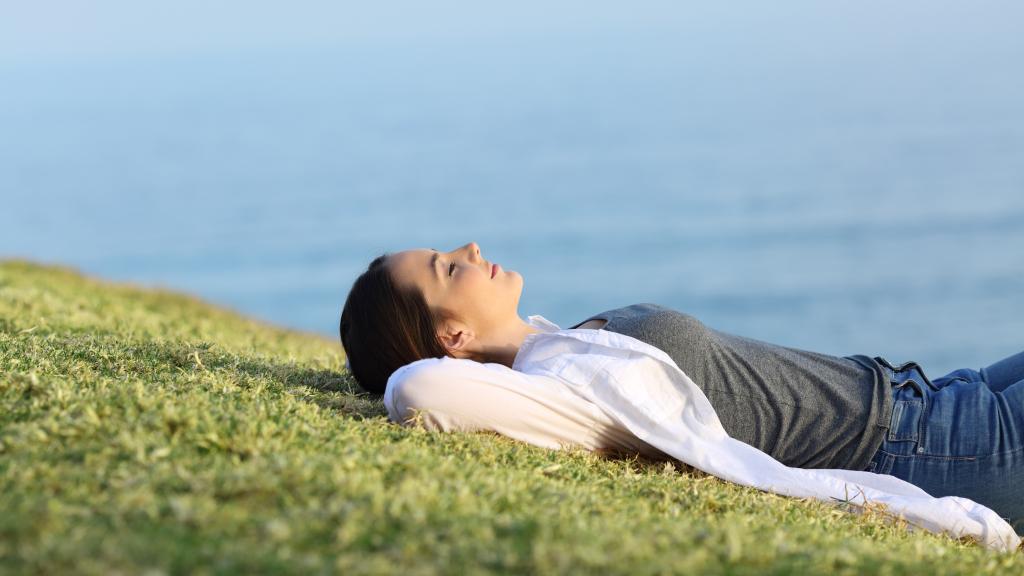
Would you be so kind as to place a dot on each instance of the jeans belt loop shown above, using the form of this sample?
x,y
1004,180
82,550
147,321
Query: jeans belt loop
x,y
915,372
920,372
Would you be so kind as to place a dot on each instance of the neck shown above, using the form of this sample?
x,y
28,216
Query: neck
x,y
506,344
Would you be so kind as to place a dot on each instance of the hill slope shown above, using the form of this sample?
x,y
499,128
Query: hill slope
x,y
142,429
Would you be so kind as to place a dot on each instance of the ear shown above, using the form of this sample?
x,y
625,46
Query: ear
x,y
456,337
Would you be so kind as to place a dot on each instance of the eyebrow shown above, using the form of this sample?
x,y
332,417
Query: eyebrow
x,y
433,264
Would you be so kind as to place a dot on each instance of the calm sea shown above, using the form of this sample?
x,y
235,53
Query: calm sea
x,y
846,185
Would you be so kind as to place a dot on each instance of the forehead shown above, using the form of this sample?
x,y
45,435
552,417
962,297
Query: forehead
x,y
413,264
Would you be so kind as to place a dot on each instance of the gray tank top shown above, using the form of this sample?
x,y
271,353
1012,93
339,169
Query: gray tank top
x,y
805,409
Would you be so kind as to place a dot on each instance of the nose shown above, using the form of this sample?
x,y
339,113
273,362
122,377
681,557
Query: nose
x,y
474,250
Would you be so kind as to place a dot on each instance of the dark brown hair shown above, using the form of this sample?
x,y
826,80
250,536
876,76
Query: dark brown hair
x,y
385,326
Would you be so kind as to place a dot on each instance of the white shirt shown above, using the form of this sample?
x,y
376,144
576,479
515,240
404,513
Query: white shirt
x,y
609,391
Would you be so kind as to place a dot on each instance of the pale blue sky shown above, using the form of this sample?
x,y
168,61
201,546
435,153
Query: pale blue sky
x,y
68,29
59,28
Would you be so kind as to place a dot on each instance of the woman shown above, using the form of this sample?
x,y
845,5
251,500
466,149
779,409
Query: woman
x,y
962,434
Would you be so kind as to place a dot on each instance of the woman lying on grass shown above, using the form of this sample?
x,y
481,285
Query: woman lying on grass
x,y
959,435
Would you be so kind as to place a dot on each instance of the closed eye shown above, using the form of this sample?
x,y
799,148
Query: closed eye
x,y
451,268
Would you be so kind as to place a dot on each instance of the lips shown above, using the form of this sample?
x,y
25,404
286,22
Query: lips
x,y
494,270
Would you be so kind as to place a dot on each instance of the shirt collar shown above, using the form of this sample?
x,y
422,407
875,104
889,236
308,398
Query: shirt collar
x,y
541,323
538,321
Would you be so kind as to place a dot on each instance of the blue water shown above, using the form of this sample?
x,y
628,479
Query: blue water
x,y
830,180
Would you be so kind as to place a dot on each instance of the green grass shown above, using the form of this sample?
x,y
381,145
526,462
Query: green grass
x,y
145,431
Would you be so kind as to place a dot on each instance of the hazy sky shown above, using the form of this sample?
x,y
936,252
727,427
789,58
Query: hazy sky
x,y
57,28
70,29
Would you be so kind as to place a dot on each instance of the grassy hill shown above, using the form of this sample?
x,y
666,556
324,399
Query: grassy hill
x,y
145,431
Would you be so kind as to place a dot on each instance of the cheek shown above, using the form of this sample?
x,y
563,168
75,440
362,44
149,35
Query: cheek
x,y
481,289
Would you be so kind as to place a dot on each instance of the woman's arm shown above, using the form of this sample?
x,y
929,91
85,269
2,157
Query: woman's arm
x,y
449,394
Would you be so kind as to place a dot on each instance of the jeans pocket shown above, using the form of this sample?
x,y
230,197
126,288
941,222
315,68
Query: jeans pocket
x,y
905,423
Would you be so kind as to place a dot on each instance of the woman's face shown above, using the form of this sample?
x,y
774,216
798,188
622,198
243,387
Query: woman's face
x,y
460,281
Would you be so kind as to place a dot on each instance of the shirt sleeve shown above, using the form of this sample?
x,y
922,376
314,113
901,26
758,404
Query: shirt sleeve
x,y
451,394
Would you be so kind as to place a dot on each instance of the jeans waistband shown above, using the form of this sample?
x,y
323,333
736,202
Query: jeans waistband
x,y
906,373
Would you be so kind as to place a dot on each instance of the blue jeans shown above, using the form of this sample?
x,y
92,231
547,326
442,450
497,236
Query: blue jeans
x,y
959,435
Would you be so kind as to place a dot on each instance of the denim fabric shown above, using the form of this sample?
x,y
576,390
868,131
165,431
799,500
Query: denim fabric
x,y
959,435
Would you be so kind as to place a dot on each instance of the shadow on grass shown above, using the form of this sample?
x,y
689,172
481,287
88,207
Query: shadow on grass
x,y
114,355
